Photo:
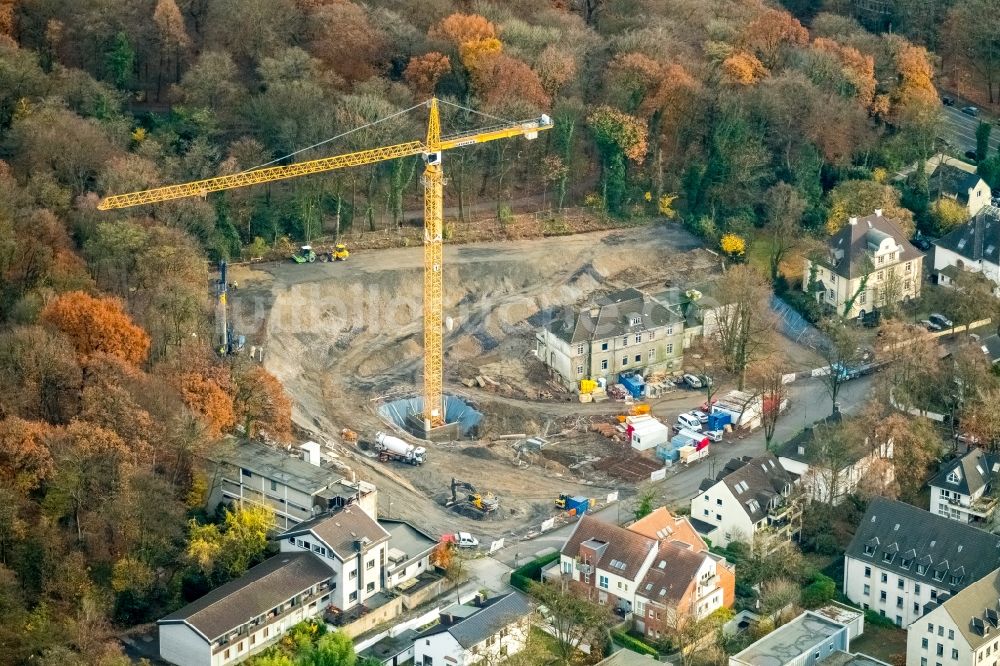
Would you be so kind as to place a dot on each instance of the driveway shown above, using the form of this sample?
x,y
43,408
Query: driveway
x,y
960,129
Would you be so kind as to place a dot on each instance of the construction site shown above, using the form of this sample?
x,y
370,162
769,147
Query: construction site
x,y
345,340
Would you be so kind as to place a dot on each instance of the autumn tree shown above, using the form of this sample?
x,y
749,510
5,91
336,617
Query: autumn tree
x,y
743,69
575,619
916,446
767,380
744,320
841,351
346,40
832,452
620,138
771,30
260,404
39,375
226,551
423,72
860,198
784,208
97,325
207,393
25,460
972,36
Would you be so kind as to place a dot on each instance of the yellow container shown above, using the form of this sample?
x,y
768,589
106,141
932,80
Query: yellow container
x,y
587,385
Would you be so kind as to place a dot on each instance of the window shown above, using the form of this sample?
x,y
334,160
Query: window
x,y
940,650
353,574
868,589
909,267
604,364
636,320
603,582
625,341
624,361
881,596
923,643
907,284
580,349
863,298
651,355
706,510
868,572
954,653
670,348
638,358
881,260
830,294
905,563
921,569
719,501
718,516
939,575
670,330
652,334
916,607
638,339
253,640
930,627
604,346
225,655
879,275
885,577
940,630
267,631
370,565
353,596
951,634
247,473
900,584
579,369
899,602
370,587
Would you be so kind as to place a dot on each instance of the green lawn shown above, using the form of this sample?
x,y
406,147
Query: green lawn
x,y
881,642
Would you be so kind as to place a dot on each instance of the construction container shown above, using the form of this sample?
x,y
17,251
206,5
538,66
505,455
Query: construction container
x,y
639,410
718,420
668,452
587,386
645,432
634,384
689,438
579,504
689,454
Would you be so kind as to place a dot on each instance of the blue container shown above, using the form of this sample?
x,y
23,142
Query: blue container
x,y
719,420
668,452
634,384
581,504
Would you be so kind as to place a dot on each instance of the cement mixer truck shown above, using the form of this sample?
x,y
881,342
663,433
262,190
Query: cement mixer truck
x,y
393,448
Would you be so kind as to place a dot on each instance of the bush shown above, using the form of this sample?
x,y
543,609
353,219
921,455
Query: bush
x,y
876,620
632,643
819,592
525,575
805,305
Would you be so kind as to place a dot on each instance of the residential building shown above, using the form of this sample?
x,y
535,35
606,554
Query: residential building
x,y
248,614
866,264
294,488
624,333
822,482
749,500
811,638
484,630
353,545
973,246
903,558
659,570
963,488
409,551
960,183
991,348
962,629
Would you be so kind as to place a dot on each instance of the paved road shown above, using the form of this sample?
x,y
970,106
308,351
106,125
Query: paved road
x,y
960,130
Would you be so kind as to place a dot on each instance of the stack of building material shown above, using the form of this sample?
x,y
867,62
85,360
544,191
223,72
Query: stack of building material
x,y
618,392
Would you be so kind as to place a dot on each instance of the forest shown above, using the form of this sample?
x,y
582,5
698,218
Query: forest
x,y
720,115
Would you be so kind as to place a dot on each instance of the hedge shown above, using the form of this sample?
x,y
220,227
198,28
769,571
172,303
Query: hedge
x,y
525,575
879,620
632,643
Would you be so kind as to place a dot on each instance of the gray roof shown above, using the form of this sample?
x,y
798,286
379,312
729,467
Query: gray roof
x,y
275,464
978,239
407,538
342,530
253,594
618,549
790,641
807,437
614,314
839,658
625,657
975,608
847,249
471,624
976,469
755,482
390,646
942,552
951,181
991,347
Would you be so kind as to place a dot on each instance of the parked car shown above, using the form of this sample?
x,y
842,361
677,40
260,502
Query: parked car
x,y
970,111
705,407
948,101
941,320
692,381
705,380
688,421
922,243
466,540
930,326
700,414
970,155
714,435
967,438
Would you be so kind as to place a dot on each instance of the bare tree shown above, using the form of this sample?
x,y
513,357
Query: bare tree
x,y
767,381
745,322
785,207
831,454
841,351
575,619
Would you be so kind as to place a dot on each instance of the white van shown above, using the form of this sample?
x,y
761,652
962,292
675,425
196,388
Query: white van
x,y
689,421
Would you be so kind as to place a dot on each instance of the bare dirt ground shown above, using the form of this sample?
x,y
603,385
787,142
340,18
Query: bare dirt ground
x,y
343,336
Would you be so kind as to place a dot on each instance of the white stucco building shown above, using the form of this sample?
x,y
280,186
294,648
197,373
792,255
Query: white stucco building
x,y
973,246
903,558
963,629
748,498
963,489
482,630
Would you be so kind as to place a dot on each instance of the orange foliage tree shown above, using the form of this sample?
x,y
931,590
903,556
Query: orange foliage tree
x,y
464,28
743,69
97,325
424,71
25,460
261,404
859,69
207,395
771,30
555,68
500,79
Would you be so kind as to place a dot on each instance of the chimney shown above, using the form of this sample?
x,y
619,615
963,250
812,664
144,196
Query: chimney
x,y
310,451
594,311
853,221
878,212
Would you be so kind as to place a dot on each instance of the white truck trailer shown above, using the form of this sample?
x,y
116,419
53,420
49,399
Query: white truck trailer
x,y
393,448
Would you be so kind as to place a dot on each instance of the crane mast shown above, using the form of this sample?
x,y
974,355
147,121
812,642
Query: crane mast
x,y
433,181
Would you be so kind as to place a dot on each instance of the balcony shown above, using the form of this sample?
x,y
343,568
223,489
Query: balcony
x,y
982,507
584,568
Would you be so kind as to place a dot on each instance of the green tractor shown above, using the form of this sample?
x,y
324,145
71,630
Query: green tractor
x,y
306,255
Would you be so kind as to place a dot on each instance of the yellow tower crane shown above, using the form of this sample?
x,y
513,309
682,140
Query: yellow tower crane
x,y
433,180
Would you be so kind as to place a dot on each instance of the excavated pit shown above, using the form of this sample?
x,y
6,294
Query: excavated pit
x,y
461,418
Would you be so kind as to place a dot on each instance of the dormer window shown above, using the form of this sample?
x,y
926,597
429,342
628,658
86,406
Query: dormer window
x,y
905,563
955,580
939,574
869,550
921,569
888,557
953,477
636,320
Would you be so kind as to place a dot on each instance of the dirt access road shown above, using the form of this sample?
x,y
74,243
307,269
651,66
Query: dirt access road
x,y
342,336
